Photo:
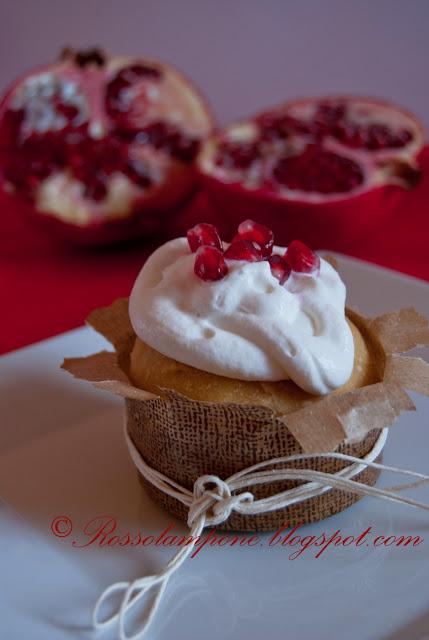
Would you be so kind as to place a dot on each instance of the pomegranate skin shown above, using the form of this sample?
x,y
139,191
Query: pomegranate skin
x,y
138,225
331,225
334,223
150,214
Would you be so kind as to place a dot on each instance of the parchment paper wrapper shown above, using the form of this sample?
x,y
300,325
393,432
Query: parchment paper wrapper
x,y
185,438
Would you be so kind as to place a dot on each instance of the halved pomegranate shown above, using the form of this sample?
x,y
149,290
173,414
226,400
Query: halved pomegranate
x,y
100,147
318,169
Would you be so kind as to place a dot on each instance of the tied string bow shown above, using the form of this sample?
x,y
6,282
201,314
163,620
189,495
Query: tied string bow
x,y
210,495
213,500
215,504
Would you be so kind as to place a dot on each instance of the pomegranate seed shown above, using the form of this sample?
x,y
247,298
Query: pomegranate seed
x,y
113,94
329,114
403,137
125,78
279,268
257,233
184,148
279,127
210,264
204,235
96,189
273,127
237,155
378,137
11,124
156,133
243,250
69,111
349,134
301,258
169,138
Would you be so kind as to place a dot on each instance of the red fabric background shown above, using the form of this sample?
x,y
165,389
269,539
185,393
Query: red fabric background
x,y
47,288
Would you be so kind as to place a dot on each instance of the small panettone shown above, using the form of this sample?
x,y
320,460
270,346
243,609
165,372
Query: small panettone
x,y
232,355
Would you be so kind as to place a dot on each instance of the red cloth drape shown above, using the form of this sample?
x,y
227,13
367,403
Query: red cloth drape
x,y
47,288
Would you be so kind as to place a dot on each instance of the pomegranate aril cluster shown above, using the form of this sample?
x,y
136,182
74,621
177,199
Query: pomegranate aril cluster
x,y
30,155
333,119
318,170
253,242
162,135
237,155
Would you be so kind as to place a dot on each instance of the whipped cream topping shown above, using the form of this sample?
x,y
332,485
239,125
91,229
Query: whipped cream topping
x,y
246,326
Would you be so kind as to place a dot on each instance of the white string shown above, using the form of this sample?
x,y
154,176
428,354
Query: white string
x,y
212,501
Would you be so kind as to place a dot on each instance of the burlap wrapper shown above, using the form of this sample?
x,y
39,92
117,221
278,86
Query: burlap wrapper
x,y
185,438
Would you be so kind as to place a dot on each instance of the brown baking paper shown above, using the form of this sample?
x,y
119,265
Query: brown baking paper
x,y
319,427
184,438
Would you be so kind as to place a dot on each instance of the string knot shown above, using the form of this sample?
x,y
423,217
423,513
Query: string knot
x,y
212,501
212,498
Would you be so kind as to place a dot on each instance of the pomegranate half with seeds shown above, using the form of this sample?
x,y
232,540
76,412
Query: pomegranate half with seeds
x,y
319,169
101,147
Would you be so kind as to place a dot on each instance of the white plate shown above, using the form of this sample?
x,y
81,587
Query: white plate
x,y
62,453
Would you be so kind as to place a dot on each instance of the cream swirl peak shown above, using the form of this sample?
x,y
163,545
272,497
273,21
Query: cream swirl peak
x,y
246,325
